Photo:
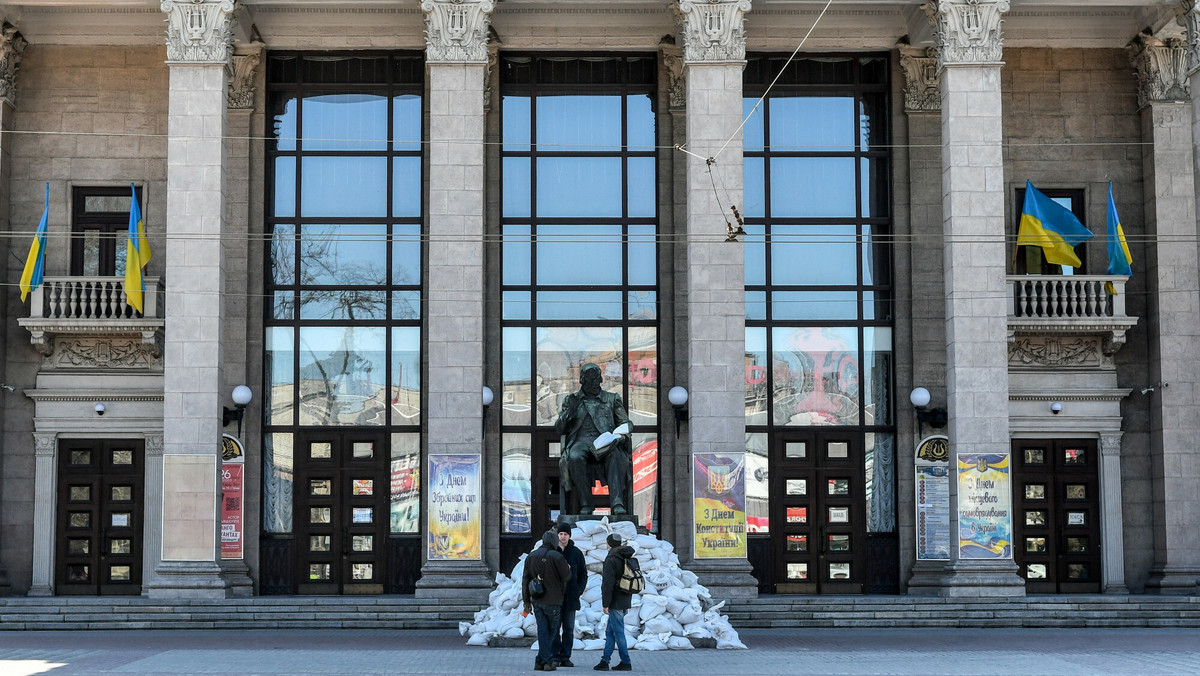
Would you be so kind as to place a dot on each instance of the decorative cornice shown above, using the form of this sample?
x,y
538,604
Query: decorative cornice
x,y
456,31
712,30
1068,395
93,395
968,31
922,88
43,331
199,31
1188,16
672,57
241,83
12,46
1161,67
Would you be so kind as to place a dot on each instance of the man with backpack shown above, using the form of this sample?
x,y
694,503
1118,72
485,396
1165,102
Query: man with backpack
x,y
616,600
549,569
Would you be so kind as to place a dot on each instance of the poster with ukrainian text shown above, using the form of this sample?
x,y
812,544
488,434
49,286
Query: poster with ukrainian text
x,y
454,508
984,506
719,503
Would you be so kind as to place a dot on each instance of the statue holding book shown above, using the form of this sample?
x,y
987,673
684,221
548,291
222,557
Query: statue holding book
x,y
594,431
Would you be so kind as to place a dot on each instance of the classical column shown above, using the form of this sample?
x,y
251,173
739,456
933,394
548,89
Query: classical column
x,y
45,479
923,108
198,54
1111,522
456,54
970,46
711,294
1165,71
12,45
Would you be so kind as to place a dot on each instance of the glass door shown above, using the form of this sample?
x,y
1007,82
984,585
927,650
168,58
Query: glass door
x,y
341,516
820,541
99,534
1056,520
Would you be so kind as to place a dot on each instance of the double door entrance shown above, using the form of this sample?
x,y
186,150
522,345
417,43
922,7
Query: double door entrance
x,y
1056,520
98,542
341,516
817,522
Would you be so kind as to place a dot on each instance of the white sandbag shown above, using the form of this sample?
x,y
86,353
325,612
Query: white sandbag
x,y
677,593
650,643
478,639
658,625
631,623
647,542
650,590
588,528
690,615
635,613
514,632
652,607
590,595
689,578
594,644
696,630
463,627
730,644
679,643
625,529
674,605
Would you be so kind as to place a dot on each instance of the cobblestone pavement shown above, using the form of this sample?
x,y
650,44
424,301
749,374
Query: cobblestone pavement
x,y
1054,652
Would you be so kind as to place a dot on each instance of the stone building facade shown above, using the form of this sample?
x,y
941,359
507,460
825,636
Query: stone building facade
x,y
406,225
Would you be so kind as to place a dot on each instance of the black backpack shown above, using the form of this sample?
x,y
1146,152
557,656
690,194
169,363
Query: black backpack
x,y
631,581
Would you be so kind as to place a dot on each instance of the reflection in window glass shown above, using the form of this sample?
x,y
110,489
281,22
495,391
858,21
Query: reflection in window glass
x,y
406,375
517,397
641,401
347,187
279,355
823,255
813,187
816,376
277,483
579,254
645,478
516,488
756,376
348,254
758,484
342,374
579,187
561,353
350,121
813,124
405,467
580,124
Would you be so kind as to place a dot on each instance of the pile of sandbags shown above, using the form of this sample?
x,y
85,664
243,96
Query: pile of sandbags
x,y
674,612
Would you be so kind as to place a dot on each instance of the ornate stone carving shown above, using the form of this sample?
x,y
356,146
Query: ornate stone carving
x,y
672,57
493,67
922,88
154,445
1055,352
241,85
712,30
199,31
1161,67
1110,443
1188,16
102,353
12,46
968,31
457,30
44,444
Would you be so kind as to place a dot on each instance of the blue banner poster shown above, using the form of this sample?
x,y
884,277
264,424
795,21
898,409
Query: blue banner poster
x,y
984,506
454,509
719,500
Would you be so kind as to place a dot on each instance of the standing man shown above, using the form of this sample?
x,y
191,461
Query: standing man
x,y
584,416
575,586
616,601
548,565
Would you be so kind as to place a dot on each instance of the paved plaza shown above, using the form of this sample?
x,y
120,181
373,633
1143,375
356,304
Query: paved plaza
x,y
1057,652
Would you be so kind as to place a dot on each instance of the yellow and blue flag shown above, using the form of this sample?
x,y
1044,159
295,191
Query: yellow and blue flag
x,y
137,255
1119,258
1052,226
35,263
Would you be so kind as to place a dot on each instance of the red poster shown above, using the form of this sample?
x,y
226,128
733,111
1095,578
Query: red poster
x,y
231,510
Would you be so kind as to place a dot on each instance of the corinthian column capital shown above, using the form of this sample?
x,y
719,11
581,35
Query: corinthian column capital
x,y
1188,16
968,31
712,30
12,46
199,31
1161,67
456,31
922,79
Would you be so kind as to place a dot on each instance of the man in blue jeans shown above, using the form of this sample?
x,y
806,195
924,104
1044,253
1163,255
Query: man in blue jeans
x,y
547,564
615,601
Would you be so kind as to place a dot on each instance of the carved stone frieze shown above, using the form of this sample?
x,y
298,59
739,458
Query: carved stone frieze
x,y
712,30
672,57
102,353
456,31
241,84
1055,352
922,80
1161,67
1188,15
12,46
968,31
199,31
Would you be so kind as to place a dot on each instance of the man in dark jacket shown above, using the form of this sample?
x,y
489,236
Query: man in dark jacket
x,y
548,564
575,586
616,602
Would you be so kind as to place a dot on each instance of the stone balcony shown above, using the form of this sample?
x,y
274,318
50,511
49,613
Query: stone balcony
x,y
87,308
1069,305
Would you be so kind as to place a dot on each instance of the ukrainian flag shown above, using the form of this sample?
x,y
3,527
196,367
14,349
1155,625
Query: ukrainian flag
x,y
137,255
1052,226
1119,258
31,278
